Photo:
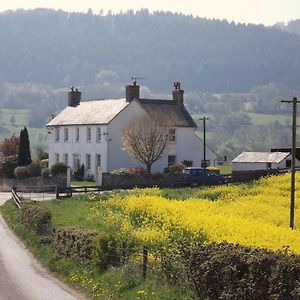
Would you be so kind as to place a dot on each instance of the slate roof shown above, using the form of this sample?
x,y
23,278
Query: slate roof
x,y
90,112
178,114
103,111
260,157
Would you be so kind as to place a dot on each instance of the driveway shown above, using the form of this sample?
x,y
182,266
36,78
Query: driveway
x,y
21,276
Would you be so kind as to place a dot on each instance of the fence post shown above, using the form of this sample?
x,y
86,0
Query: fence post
x,y
145,261
56,192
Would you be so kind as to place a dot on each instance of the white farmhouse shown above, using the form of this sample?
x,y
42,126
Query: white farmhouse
x,y
254,161
90,132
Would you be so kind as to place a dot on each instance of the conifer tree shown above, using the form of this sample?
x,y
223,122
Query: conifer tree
x,y
24,156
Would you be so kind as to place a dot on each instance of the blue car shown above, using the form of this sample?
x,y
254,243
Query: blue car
x,y
194,176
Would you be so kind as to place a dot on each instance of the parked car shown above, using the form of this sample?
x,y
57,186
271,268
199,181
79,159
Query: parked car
x,y
194,176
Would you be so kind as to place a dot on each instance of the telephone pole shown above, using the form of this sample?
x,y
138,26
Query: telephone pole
x,y
293,163
204,119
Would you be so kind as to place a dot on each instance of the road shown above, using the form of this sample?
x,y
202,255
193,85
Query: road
x,y
21,276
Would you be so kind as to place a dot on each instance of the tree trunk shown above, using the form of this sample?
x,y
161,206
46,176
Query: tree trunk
x,y
148,168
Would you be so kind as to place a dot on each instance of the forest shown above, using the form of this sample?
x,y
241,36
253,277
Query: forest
x,y
235,73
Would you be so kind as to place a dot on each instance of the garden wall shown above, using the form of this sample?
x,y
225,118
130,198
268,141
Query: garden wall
x,y
38,183
244,176
143,180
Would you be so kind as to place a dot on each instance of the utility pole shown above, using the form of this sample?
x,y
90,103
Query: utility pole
x,y
293,171
204,119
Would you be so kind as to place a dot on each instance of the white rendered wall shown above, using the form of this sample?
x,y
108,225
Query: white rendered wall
x,y
81,147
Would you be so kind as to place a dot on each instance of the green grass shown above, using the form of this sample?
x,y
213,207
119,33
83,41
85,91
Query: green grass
x,y
225,168
123,282
83,183
265,119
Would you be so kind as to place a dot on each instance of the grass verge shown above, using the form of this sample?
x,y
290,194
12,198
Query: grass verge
x,y
124,282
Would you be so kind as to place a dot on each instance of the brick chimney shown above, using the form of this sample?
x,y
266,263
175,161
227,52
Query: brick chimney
x,y
132,92
178,94
74,97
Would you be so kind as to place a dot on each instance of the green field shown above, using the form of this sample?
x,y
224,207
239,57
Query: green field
x,y
13,120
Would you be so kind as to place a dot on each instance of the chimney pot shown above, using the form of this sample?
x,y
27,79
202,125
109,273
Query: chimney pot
x,y
74,97
177,94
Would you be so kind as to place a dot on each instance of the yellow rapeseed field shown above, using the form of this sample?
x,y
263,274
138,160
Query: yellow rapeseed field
x,y
251,215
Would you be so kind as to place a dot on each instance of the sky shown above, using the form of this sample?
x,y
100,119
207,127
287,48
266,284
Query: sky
x,y
265,12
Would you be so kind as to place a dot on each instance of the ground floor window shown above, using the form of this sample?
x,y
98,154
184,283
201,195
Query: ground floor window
x,y
98,160
56,157
88,161
171,160
76,160
66,159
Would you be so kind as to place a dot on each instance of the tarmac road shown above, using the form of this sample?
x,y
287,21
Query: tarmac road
x,y
21,276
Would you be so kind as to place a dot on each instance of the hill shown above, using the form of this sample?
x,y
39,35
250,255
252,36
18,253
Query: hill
x,y
59,49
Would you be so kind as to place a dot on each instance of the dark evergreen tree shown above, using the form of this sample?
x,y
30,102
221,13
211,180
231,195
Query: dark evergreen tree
x,y
24,157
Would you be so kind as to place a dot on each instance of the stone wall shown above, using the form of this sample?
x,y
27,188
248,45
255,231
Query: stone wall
x,y
33,183
143,180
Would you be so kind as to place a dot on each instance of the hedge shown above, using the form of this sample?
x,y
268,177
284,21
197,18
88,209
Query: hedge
x,y
234,272
74,242
36,218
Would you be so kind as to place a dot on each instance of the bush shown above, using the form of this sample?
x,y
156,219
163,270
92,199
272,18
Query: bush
x,y
78,173
187,163
45,173
109,250
59,168
44,163
8,165
74,242
21,172
36,218
227,271
34,169
120,171
176,168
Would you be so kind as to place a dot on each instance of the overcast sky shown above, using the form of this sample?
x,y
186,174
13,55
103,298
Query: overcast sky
x,y
266,12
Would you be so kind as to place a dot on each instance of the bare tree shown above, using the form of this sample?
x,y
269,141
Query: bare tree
x,y
146,137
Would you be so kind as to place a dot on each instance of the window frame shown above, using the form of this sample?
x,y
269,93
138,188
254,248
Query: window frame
x,y
98,134
66,134
77,134
89,134
171,163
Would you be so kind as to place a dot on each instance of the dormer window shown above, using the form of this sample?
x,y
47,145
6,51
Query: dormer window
x,y
57,134
89,134
172,135
98,134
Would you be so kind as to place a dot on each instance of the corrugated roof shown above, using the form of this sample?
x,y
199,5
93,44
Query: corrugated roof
x,y
90,112
260,157
103,111
178,114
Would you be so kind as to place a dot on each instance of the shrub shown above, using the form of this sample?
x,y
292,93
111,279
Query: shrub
x,y
36,218
8,165
21,172
59,168
227,271
44,163
120,171
78,173
136,170
45,173
187,163
34,169
74,242
176,168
